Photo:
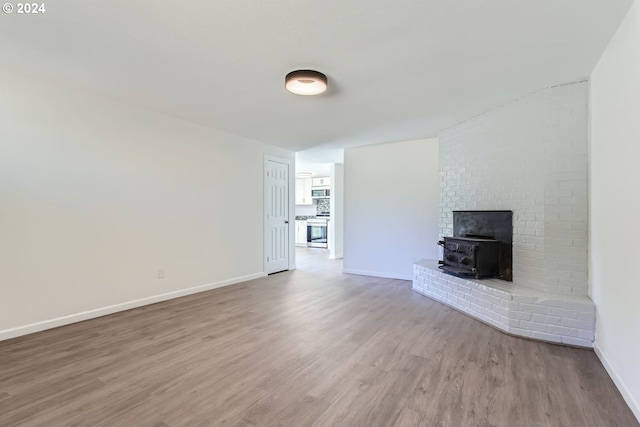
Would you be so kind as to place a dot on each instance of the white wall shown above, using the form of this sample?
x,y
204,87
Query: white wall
x,y
615,206
390,207
336,225
97,195
528,156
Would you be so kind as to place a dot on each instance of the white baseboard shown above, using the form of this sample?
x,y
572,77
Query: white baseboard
x,y
628,397
378,274
103,311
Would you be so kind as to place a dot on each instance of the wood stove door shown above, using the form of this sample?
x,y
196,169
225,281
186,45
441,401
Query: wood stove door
x,y
461,255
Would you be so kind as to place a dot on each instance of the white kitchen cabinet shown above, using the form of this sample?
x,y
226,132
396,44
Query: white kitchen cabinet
x,y
321,182
301,233
303,191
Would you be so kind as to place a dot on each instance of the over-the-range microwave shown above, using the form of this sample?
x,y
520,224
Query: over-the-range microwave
x,y
319,193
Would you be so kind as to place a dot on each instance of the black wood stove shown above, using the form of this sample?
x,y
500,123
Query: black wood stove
x,y
473,256
481,246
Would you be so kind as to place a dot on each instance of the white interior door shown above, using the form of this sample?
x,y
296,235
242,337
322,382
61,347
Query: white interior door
x,y
276,216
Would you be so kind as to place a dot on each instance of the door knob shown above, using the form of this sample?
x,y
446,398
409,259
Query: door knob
x,y
286,222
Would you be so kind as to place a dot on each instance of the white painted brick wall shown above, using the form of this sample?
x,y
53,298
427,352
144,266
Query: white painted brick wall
x,y
528,156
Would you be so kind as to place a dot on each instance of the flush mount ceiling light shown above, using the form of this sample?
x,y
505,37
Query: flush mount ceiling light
x,y
306,82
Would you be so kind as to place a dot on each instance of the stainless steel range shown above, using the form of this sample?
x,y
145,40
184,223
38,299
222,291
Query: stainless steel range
x,y
317,232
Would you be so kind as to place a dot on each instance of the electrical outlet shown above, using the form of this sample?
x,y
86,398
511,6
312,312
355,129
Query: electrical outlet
x,y
161,273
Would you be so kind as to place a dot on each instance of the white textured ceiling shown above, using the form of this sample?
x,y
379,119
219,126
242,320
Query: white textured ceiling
x,y
397,70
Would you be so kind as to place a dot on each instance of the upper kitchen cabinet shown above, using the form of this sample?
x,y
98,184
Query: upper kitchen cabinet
x,y
303,191
321,182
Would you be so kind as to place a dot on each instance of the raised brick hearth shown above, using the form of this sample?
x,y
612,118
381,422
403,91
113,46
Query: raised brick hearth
x,y
511,308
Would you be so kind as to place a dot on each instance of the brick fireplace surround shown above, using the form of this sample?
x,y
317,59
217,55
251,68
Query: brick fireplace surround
x,y
528,156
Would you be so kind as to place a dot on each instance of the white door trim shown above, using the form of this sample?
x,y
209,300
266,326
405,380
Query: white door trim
x,y
292,214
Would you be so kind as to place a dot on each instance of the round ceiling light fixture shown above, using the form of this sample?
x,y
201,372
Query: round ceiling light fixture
x,y
306,82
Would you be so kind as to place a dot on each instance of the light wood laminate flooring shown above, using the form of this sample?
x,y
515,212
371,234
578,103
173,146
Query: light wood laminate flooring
x,y
311,347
